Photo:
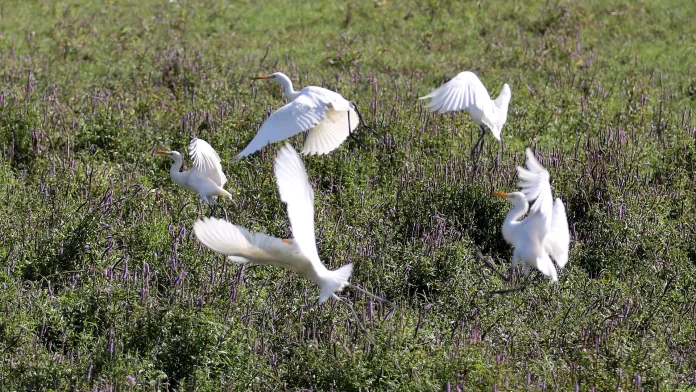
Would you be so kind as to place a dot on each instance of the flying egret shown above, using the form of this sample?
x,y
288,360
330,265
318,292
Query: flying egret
x,y
466,92
544,232
327,116
205,177
298,254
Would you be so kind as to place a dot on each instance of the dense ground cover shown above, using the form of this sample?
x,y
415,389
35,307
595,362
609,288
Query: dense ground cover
x,y
103,284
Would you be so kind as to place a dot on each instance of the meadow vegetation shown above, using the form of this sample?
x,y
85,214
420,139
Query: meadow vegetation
x,y
104,286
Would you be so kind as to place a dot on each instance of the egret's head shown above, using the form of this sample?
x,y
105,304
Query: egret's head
x,y
171,154
274,77
514,197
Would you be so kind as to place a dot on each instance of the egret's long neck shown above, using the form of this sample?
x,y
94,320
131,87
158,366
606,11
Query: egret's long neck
x,y
286,83
178,176
518,210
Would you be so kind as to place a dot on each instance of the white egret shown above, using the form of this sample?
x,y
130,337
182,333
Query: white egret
x,y
298,254
544,232
466,92
205,177
327,116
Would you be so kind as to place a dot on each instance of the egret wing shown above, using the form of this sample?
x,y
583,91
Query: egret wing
x,y
534,183
206,162
241,245
297,193
557,240
463,92
330,133
300,115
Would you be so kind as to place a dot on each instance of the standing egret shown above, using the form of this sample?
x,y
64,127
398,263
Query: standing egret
x,y
327,116
466,92
298,254
545,231
205,177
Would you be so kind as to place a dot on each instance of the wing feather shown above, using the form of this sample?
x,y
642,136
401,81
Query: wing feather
x,y
557,240
463,92
241,245
297,193
206,162
534,183
330,133
300,115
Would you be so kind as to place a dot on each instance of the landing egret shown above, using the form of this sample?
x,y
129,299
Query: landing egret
x,y
205,177
545,231
327,116
466,92
298,254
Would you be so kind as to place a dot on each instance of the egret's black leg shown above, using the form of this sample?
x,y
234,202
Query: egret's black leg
x,y
360,117
478,147
351,134
211,207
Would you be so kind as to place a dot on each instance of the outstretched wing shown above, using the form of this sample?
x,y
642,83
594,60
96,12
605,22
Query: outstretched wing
x,y
300,115
206,162
534,183
241,245
463,92
557,240
297,193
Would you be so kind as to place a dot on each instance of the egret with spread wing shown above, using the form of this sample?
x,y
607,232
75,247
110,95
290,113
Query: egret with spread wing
x,y
327,116
466,92
298,254
205,177
544,233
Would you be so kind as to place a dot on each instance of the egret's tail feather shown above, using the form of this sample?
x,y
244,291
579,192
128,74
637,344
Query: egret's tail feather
x,y
222,192
337,280
497,130
546,267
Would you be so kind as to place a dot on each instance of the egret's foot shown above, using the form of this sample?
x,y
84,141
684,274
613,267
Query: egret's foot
x,y
506,291
356,140
352,311
488,263
369,294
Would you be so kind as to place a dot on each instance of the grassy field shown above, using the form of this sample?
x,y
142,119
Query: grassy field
x,y
105,287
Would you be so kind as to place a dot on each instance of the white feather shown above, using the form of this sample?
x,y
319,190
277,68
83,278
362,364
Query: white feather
x,y
206,162
535,184
327,116
298,254
466,92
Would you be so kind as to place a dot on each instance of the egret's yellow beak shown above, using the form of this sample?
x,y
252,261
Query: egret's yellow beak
x,y
162,152
263,77
501,194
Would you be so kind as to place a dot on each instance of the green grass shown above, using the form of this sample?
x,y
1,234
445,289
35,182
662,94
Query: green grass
x,y
102,278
